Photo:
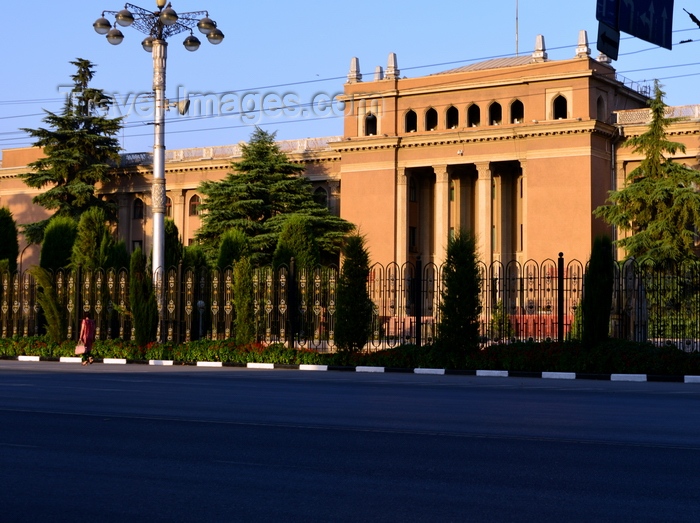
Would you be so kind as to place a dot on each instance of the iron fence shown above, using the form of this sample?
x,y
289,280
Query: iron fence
x,y
297,306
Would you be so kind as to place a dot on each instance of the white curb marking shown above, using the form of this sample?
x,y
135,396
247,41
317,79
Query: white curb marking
x,y
160,362
492,373
313,367
70,359
261,365
209,364
369,369
628,377
692,379
429,371
114,361
27,358
559,375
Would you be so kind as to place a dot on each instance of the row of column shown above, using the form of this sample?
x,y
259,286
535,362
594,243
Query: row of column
x,y
443,221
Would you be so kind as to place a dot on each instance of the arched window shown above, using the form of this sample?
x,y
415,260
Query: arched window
x,y
560,108
452,119
168,207
431,120
370,125
195,203
517,112
473,116
138,209
321,196
495,114
411,122
601,111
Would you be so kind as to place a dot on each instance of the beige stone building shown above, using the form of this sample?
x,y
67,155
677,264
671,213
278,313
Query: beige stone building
x,y
519,151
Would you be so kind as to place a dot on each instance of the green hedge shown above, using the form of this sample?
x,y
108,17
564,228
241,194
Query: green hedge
x,y
610,357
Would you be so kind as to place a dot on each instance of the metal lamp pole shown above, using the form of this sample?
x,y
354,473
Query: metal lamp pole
x,y
158,26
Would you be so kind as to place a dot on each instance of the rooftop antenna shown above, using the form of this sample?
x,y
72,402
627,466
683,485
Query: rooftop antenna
x,y
516,27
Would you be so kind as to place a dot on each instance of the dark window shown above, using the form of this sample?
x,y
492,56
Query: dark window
x,y
412,239
168,208
495,114
600,110
411,122
560,108
452,119
412,193
195,203
321,197
138,209
473,116
517,112
370,125
431,120
136,244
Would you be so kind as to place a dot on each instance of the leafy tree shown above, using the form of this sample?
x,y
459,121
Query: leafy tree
x,y
9,246
234,245
259,197
598,292
460,307
297,241
243,301
660,204
80,148
142,299
57,246
354,307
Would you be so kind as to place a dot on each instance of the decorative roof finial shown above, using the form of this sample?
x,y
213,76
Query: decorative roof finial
x,y
540,53
582,49
354,76
392,68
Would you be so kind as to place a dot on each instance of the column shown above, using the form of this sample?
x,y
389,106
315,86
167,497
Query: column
x,y
441,218
401,236
484,213
521,248
179,214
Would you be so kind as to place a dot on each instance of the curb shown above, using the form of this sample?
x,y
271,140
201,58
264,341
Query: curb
x,y
482,373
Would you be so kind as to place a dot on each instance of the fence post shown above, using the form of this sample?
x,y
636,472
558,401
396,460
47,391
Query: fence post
x,y
293,305
560,297
418,301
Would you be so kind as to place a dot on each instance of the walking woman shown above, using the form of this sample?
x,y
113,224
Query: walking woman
x,y
87,337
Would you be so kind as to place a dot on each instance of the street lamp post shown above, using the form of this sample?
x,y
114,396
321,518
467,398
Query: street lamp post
x,y
158,26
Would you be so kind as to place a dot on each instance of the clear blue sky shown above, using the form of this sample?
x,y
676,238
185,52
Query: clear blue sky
x,y
301,50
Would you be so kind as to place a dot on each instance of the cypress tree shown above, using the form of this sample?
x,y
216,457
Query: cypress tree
x,y
174,250
354,307
234,245
597,292
460,307
9,246
142,300
296,241
57,246
243,301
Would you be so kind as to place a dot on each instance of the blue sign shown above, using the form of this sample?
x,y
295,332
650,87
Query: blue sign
x,y
650,20
606,12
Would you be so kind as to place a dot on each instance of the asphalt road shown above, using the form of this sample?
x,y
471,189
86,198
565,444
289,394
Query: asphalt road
x,y
137,443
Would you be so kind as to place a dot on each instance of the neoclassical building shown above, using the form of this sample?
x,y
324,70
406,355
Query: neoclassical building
x,y
519,151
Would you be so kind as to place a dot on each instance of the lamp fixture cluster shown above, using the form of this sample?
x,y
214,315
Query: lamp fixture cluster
x,y
158,25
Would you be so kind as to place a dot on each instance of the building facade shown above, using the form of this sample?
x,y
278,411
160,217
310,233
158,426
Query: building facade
x,y
518,151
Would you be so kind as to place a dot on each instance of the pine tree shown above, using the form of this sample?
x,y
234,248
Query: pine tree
x,y
80,148
9,246
660,204
258,198
354,307
460,307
